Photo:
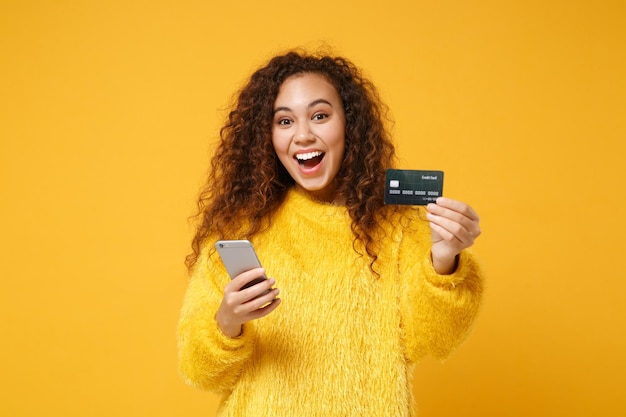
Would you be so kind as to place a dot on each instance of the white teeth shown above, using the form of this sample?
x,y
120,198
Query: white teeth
x,y
308,155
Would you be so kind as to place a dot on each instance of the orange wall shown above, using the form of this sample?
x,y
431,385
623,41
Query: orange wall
x,y
106,115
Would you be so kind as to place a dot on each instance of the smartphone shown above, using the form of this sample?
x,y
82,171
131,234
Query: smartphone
x,y
239,256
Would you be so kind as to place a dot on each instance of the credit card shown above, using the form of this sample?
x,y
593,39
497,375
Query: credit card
x,y
412,187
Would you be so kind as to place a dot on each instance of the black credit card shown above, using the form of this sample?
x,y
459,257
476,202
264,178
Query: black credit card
x,y
412,187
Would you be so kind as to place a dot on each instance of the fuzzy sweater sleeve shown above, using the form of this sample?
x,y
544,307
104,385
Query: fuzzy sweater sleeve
x,y
437,310
207,358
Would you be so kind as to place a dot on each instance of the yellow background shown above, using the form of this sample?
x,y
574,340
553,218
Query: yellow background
x,y
107,110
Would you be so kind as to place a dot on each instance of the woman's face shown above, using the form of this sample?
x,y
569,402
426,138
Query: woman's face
x,y
308,133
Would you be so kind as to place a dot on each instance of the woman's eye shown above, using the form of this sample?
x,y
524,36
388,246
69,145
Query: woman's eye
x,y
320,116
284,122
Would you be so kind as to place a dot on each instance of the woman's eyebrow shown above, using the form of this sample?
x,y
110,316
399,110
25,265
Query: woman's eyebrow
x,y
311,104
318,101
282,108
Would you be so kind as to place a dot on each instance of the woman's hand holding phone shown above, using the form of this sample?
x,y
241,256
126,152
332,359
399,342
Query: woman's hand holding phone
x,y
240,305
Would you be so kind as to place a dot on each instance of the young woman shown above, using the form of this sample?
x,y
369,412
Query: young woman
x,y
359,291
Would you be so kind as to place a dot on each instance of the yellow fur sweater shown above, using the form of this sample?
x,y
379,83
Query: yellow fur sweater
x,y
342,342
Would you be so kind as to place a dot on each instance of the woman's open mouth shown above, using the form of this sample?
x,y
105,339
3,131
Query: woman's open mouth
x,y
310,159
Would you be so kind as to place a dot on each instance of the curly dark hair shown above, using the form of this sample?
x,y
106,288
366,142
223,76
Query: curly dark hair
x,y
242,192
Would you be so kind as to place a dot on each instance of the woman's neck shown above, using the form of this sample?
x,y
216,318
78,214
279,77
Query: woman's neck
x,y
328,196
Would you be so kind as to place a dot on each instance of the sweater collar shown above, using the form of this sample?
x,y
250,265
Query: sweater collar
x,y
303,203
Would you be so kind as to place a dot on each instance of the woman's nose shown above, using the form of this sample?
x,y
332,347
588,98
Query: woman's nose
x,y
303,134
